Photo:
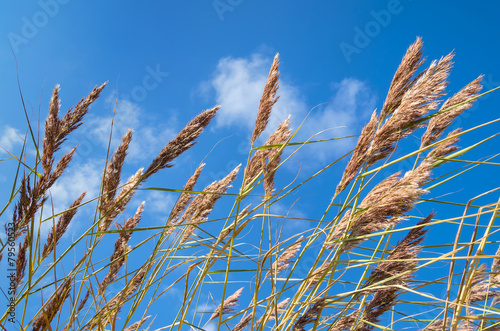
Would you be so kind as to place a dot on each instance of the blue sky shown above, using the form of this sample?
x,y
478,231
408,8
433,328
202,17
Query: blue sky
x,y
169,60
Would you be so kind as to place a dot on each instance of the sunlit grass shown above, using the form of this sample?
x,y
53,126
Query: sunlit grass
x,y
366,263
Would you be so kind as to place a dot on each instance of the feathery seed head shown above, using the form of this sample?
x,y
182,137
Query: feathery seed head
x,y
268,100
182,142
226,307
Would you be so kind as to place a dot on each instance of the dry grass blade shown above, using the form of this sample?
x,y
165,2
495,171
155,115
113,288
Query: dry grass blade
x,y
228,304
182,142
61,227
268,100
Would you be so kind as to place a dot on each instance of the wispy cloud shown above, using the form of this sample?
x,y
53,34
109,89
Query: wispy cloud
x,y
237,85
9,139
160,202
150,134
349,108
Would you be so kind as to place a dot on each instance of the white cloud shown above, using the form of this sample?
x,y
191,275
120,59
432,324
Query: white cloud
x,y
350,107
149,134
160,202
238,84
211,327
9,138
76,179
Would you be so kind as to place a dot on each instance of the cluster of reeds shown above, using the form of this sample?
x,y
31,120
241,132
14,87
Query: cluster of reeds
x,y
362,266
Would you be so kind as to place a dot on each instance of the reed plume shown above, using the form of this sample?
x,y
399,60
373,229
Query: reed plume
x,y
243,322
118,258
185,197
268,100
279,137
284,260
310,316
227,305
113,172
137,325
451,109
258,165
32,197
181,143
56,233
203,204
271,314
121,201
403,78
52,307
402,258
359,155
359,273
21,262
417,101
383,206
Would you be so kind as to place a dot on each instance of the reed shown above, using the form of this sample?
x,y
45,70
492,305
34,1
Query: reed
x,y
365,264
